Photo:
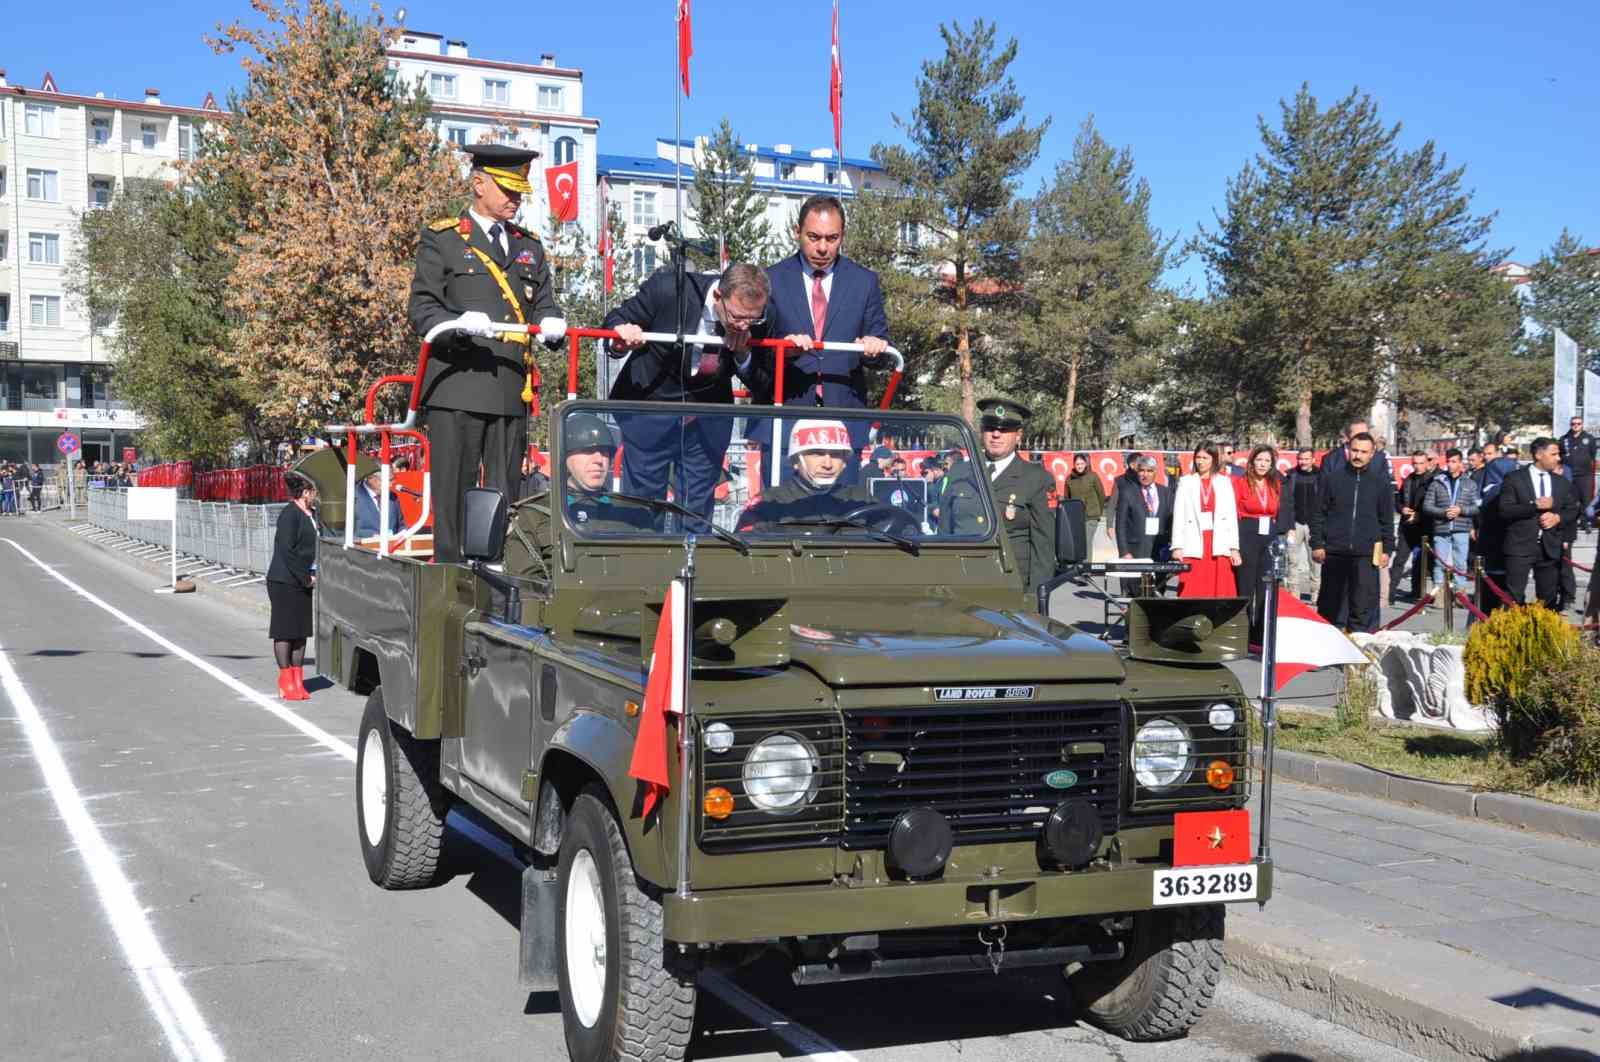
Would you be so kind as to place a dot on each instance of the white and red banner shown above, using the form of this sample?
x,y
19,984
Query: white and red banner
x,y
562,184
836,89
1306,642
685,43
663,695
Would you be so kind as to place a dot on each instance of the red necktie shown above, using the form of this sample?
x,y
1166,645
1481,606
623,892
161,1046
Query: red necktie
x,y
819,315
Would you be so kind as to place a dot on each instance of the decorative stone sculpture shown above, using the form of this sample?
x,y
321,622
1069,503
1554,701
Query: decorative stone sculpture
x,y
1422,683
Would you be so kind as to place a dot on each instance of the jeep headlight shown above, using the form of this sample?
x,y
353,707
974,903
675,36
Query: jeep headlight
x,y
1161,754
780,773
1221,716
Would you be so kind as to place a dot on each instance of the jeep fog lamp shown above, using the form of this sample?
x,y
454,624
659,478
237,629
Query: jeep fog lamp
x,y
1160,754
1219,775
1222,716
718,803
719,737
780,774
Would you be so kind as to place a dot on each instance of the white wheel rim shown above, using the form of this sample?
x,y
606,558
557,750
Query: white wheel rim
x,y
374,788
585,937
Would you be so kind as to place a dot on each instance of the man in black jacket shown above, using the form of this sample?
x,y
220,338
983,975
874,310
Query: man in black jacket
x,y
1538,515
1415,525
1144,518
1352,535
688,451
1577,453
1304,485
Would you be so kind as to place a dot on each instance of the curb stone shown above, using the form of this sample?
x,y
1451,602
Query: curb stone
x,y
1508,809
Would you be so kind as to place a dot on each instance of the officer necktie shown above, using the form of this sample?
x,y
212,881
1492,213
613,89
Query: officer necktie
x,y
994,470
496,238
819,315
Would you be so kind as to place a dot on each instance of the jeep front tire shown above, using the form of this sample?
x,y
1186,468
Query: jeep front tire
x,y
620,995
400,805
1165,979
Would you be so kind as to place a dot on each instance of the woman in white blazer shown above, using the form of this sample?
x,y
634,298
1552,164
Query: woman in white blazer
x,y
1205,527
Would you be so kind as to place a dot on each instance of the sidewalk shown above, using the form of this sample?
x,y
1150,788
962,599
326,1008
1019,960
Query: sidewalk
x,y
1446,937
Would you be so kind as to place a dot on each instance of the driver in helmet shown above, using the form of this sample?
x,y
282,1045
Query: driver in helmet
x,y
819,453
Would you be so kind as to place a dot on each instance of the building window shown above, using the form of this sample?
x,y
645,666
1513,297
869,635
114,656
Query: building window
x,y
44,311
41,383
495,91
2,171
42,186
442,86
39,119
5,244
550,98
100,189
507,137
566,150
644,208
100,130
185,141
149,135
44,248
785,171
910,235
644,261
456,134
5,314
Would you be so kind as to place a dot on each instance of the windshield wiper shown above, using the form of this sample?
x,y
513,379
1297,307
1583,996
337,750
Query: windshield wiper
x,y
910,545
661,505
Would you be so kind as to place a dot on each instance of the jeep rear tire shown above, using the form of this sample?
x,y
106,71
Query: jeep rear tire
x,y
1164,981
621,999
400,805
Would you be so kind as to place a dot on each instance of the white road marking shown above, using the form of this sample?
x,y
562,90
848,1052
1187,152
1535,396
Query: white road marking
x,y
261,700
169,1001
809,1043
797,1036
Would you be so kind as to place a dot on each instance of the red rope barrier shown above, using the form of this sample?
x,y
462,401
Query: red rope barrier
x,y
1580,567
1466,602
1501,594
1412,611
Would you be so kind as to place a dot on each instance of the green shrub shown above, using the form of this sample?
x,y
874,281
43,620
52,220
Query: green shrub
x,y
1555,724
1360,700
1508,649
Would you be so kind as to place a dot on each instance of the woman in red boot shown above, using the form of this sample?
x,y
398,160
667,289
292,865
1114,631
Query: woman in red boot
x,y
290,578
1205,527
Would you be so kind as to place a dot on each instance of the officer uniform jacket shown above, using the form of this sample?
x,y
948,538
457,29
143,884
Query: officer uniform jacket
x,y
1021,496
470,373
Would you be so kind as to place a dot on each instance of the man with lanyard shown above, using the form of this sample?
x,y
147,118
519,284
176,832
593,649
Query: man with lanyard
x,y
1144,527
1020,489
483,269
1577,453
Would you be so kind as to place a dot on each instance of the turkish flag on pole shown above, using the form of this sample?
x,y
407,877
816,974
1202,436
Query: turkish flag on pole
x,y
1306,641
607,255
663,693
562,182
685,43
836,89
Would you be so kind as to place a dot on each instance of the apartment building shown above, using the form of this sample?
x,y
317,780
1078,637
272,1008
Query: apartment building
x,y
535,105
62,154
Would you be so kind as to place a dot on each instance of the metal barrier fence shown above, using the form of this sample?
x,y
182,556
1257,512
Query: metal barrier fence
x,y
224,541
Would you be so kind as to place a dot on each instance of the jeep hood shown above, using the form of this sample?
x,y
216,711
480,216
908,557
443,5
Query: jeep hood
x,y
941,642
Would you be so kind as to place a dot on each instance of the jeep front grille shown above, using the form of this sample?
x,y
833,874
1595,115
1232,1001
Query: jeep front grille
x,y
983,767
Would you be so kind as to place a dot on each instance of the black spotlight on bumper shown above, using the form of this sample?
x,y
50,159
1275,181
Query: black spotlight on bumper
x,y
1071,835
919,843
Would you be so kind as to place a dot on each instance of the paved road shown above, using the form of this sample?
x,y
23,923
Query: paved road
x,y
179,878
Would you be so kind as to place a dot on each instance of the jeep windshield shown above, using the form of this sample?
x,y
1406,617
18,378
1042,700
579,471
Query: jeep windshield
x,y
768,474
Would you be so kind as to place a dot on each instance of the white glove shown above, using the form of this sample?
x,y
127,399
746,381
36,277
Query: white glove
x,y
552,330
477,323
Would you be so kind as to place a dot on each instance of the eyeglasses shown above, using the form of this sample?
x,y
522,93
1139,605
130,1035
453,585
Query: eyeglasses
x,y
744,321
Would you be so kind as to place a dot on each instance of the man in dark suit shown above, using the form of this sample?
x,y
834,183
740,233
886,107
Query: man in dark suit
x,y
369,510
484,269
1539,514
818,296
1144,519
688,452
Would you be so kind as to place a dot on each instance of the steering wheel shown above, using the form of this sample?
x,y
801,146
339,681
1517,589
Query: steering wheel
x,y
885,518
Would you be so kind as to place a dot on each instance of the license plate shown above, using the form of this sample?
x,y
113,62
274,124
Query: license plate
x,y
1204,885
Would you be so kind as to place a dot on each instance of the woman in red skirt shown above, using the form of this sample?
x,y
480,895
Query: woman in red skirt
x,y
1266,511
1205,527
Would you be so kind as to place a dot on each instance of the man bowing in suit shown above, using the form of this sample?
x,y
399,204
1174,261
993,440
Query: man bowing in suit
x,y
1539,512
687,450
819,295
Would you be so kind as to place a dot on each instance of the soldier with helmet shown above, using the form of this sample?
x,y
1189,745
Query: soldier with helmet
x,y
820,452
483,268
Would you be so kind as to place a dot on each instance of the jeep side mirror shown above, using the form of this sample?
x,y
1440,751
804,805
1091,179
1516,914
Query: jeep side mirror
x,y
483,533
1072,535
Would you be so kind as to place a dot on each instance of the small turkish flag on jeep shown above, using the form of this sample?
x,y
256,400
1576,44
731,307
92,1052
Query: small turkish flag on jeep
x,y
1206,838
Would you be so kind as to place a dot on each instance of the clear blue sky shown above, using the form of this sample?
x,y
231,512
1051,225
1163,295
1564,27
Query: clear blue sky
x,y
1510,90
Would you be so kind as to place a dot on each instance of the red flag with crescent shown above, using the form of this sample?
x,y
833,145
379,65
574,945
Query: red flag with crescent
x,y
836,88
562,182
663,696
685,43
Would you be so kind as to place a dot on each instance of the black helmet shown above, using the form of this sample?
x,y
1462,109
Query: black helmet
x,y
586,431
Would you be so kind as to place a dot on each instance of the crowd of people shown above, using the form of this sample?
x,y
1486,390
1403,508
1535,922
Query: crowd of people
x,y
1354,538
19,482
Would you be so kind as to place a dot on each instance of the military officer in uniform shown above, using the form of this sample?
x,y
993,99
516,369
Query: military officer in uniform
x,y
1020,491
484,269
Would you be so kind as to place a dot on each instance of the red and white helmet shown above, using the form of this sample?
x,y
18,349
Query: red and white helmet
x,y
810,436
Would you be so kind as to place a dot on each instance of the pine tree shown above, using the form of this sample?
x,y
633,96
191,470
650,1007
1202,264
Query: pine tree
x,y
968,145
1566,292
724,205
